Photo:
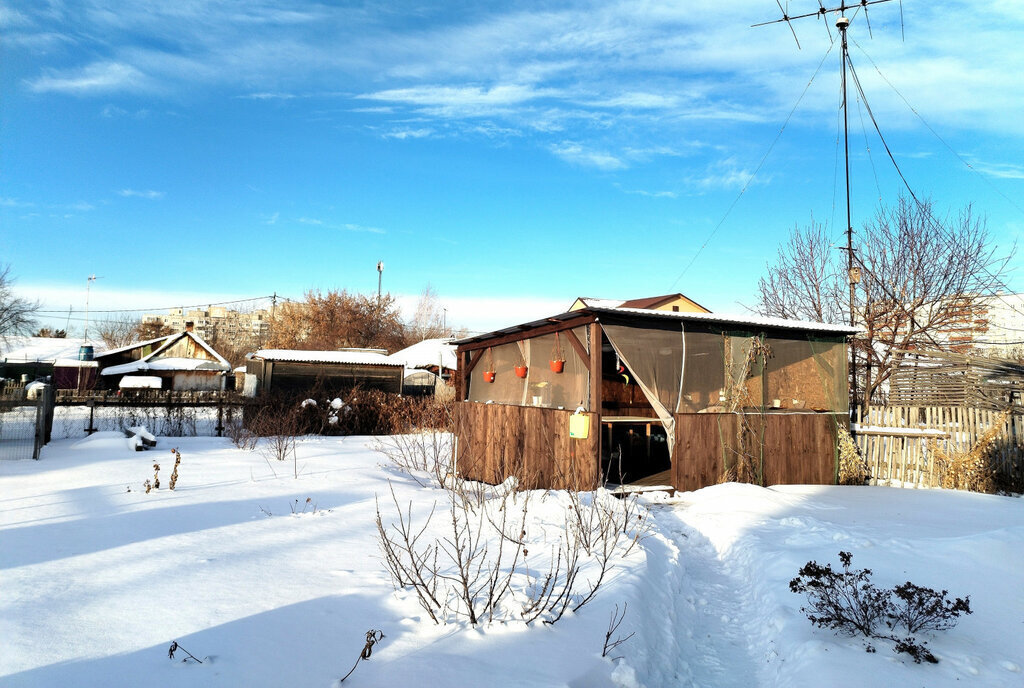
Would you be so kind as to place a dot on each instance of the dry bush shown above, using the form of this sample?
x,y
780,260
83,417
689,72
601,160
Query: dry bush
x,y
853,469
972,468
848,603
241,436
478,571
418,454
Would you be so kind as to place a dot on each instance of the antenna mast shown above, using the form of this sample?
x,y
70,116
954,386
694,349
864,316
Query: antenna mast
x,y
842,23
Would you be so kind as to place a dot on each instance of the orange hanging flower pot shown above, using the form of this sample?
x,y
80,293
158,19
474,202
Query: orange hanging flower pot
x,y
557,362
520,371
488,376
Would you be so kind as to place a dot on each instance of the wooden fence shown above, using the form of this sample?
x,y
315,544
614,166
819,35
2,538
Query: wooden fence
x,y
496,441
894,441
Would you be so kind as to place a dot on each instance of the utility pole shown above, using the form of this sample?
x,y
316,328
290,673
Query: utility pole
x,y
842,23
88,285
380,277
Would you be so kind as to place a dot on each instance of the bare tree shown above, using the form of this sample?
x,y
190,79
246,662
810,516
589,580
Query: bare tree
x,y
428,320
118,332
924,280
806,282
16,313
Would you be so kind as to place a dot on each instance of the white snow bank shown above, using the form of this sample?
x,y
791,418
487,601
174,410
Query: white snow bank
x,y
98,578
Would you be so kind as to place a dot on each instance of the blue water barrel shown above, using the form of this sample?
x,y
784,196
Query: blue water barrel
x,y
85,352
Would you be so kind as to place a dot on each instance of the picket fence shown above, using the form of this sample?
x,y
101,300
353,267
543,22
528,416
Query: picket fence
x,y
894,440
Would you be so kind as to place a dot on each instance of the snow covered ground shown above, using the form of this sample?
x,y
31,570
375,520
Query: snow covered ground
x,y
96,580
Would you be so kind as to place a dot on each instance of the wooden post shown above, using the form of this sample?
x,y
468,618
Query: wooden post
x,y
220,415
595,387
92,405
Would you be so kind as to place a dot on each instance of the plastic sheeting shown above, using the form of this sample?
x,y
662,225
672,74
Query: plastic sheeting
x,y
542,386
655,357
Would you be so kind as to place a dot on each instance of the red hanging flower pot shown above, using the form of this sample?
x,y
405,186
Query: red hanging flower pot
x,y
520,371
488,376
557,366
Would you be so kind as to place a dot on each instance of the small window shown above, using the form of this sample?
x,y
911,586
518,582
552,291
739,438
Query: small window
x,y
675,309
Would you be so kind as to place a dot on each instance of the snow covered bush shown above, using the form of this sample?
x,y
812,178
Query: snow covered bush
x,y
849,603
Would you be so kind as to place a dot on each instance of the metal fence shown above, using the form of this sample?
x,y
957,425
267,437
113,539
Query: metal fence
x,y
26,420
166,413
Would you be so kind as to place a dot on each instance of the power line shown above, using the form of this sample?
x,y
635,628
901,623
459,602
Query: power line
x,y
754,173
936,134
164,308
929,215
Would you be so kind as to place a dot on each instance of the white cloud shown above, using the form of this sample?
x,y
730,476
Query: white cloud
x,y
346,227
727,174
362,228
461,101
653,194
93,78
265,95
147,194
408,134
999,170
579,155
637,101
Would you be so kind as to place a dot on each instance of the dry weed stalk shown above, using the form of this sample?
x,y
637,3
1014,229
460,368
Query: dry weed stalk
x,y
971,468
746,454
853,469
174,473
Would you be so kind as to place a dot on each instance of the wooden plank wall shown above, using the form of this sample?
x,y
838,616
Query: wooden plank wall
x,y
798,448
495,441
896,449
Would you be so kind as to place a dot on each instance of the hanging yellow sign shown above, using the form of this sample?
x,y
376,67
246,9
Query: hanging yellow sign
x,y
579,426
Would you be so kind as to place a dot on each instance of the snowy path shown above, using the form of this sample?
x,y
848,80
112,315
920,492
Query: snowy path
x,y
708,608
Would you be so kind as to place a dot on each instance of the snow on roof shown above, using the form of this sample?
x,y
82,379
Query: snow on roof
x,y
600,303
140,382
427,353
199,340
44,349
351,356
135,345
166,364
734,319
642,313
154,361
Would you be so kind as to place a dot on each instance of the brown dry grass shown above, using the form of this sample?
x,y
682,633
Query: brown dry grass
x,y
972,468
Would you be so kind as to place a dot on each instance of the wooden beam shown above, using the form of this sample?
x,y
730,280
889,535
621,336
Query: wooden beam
x,y
527,333
578,345
595,388
464,360
471,361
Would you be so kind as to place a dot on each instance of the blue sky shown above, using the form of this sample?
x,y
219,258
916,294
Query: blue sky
x,y
512,155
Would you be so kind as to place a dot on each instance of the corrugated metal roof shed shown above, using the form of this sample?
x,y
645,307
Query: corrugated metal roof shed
x,y
355,356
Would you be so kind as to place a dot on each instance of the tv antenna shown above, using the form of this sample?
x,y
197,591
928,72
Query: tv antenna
x,y
842,24
88,286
